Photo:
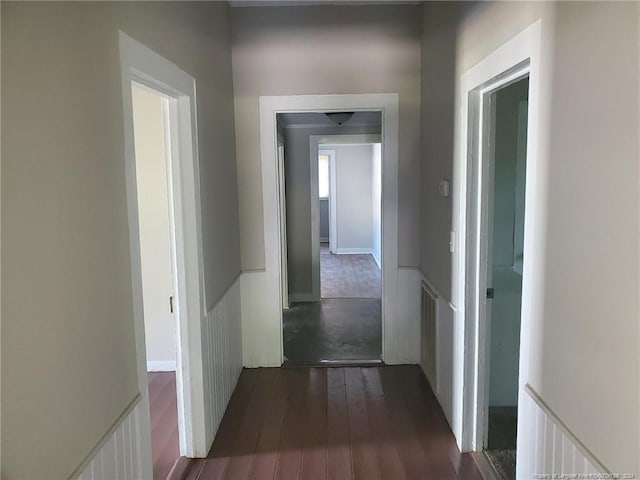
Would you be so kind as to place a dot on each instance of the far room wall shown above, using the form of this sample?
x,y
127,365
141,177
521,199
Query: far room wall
x,y
155,240
297,166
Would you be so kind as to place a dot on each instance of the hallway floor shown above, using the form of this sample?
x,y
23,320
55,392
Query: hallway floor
x,y
333,329
334,423
349,276
163,406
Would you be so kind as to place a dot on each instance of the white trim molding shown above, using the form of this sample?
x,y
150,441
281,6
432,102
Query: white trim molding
x,y
354,251
161,366
262,300
142,65
550,449
518,57
119,453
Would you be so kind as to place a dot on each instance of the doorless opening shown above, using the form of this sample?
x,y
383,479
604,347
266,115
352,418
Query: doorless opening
x,y
172,91
501,245
157,256
330,187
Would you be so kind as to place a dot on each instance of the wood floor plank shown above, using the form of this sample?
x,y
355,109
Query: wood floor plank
x,y
248,433
385,441
437,439
157,383
294,427
335,424
338,442
266,455
164,439
414,460
314,453
222,449
365,465
162,404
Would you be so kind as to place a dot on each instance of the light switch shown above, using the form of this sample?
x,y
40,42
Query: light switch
x,y
452,242
443,188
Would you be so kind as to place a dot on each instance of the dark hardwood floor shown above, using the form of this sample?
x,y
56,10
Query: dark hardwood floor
x,y
164,422
334,423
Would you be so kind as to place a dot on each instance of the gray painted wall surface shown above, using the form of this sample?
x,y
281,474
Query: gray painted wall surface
x,y
324,219
354,196
298,199
66,277
325,50
586,297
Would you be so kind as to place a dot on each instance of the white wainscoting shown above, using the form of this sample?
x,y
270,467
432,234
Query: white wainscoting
x,y
262,310
121,455
546,447
445,359
222,356
407,317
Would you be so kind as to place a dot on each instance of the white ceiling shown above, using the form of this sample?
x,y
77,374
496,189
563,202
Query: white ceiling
x,y
320,119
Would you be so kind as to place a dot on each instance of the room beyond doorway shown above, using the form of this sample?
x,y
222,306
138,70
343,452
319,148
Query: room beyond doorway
x,y
333,307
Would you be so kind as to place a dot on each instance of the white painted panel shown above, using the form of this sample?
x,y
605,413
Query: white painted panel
x,y
546,447
376,206
120,456
261,319
444,360
222,356
408,321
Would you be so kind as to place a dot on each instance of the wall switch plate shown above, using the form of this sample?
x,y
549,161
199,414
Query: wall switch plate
x,y
443,188
452,242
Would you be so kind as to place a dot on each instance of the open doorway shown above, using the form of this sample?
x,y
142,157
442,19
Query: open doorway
x,y
505,123
333,194
157,259
349,191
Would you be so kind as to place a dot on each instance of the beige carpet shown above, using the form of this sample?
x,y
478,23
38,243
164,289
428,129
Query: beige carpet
x,y
349,276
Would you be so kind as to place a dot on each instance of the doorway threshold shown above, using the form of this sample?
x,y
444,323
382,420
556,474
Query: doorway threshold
x,y
334,363
487,470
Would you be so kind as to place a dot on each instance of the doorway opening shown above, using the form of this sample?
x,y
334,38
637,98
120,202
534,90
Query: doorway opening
x,y
170,131
504,122
157,257
332,197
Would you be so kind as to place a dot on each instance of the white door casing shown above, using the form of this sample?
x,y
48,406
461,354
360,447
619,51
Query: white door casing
x,y
142,65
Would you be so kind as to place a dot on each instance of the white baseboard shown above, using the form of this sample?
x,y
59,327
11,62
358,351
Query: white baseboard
x,y
161,366
324,239
353,251
302,297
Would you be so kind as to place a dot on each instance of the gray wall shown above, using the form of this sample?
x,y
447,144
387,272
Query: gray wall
x,y
324,219
325,50
68,356
298,197
584,353
354,196
154,226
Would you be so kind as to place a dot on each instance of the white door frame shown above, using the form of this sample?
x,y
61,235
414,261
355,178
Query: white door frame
x,y
513,60
270,106
141,65
283,227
